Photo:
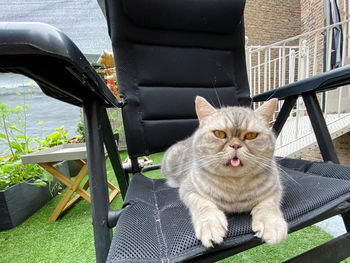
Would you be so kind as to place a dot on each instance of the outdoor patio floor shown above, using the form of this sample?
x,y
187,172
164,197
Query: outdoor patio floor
x,y
306,141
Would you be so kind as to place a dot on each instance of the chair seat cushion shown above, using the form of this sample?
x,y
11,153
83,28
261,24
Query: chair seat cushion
x,y
156,226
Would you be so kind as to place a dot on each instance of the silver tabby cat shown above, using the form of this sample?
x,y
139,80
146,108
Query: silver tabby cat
x,y
227,165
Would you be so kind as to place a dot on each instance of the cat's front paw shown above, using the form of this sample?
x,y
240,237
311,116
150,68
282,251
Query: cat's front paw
x,y
211,228
272,229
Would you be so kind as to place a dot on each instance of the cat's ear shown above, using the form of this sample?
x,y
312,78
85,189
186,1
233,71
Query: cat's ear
x,y
267,110
203,108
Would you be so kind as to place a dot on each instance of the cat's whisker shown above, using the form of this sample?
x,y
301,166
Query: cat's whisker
x,y
204,158
287,176
268,166
260,159
210,161
201,163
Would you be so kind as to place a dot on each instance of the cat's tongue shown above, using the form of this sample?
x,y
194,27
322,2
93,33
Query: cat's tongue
x,y
235,162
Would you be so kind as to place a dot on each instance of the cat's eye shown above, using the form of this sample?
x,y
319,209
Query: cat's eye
x,y
220,134
250,135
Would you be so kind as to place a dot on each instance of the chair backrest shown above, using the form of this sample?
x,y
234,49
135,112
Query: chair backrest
x,y
166,53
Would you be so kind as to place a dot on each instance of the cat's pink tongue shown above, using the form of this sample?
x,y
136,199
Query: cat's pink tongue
x,y
235,162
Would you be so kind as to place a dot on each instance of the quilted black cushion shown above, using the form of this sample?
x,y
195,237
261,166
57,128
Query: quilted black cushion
x,y
156,227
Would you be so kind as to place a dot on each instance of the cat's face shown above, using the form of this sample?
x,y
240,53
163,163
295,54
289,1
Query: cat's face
x,y
234,140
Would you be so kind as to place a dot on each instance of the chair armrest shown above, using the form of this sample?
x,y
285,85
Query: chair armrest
x,y
48,56
321,82
307,88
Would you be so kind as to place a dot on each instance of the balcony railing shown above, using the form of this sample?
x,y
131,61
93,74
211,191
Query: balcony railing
x,y
296,58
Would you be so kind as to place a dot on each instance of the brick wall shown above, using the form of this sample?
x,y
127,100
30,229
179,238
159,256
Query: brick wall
x,y
269,21
311,15
311,19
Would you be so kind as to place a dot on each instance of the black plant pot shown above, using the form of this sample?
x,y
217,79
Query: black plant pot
x,y
20,201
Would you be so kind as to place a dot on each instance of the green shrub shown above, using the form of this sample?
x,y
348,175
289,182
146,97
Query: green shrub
x,y
56,138
13,134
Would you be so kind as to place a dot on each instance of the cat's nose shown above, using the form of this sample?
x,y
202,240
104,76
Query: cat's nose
x,y
236,146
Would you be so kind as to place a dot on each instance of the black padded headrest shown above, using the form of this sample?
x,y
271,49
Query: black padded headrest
x,y
190,15
169,51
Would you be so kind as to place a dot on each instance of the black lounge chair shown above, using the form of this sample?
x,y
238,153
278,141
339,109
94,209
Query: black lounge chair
x,y
167,52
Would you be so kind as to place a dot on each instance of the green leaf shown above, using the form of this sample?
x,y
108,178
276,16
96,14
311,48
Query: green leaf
x,y
14,127
39,182
3,136
53,135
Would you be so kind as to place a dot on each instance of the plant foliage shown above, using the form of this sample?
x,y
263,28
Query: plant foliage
x,y
13,134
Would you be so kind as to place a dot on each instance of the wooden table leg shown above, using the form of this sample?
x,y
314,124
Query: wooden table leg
x,y
75,198
65,180
72,188
115,191
80,162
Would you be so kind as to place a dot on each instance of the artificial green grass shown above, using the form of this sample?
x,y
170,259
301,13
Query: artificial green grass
x,y
295,244
70,238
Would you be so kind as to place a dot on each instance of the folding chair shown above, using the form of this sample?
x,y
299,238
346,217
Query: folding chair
x,y
167,52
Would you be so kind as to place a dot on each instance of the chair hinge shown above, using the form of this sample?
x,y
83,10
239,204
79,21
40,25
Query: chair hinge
x,y
344,207
113,216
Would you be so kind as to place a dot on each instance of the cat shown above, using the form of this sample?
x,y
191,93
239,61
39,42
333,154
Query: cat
x,y
227,165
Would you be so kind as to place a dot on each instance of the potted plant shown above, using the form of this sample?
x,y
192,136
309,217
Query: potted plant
x,y
23,188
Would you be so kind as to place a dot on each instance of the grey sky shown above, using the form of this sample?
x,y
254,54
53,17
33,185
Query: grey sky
x,y
81,20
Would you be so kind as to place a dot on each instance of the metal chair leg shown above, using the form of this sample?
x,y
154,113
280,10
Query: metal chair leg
x,y
113,153
319,126
97,179
346,219
284,114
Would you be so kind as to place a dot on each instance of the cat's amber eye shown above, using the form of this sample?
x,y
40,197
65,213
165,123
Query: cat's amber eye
x,y
220,134
250,135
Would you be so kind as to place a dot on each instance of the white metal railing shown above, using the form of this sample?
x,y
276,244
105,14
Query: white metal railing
x,y
296,58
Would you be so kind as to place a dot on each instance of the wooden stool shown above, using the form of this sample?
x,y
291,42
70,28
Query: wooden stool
x,y
77,152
